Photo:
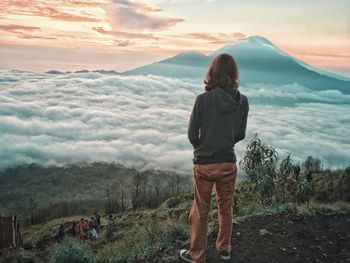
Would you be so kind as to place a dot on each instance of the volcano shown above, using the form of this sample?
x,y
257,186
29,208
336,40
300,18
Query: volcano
x,y
259,61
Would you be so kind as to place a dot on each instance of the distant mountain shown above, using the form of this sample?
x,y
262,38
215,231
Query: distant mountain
x,y
102,71
258,60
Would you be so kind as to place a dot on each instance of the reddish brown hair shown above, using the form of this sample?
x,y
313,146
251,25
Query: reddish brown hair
x,y
223,72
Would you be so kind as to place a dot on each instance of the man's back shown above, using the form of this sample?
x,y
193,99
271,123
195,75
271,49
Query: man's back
x,y
218,121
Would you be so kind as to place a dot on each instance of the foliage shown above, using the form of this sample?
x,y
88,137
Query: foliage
x,y
312,164
259,163
71,252
275,183
81,189
332,186
174,233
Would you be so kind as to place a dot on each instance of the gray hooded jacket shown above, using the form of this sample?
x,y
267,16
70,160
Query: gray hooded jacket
x,y
218,121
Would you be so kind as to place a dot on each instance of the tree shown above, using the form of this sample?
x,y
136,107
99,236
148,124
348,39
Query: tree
x,y
33,205
312,164
136,196
285,183
286,167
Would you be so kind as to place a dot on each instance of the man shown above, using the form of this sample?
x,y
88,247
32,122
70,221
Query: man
x,y
218,121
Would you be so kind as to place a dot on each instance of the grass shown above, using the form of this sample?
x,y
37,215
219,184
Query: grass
x,y
324,208
34,232
153,235
70,251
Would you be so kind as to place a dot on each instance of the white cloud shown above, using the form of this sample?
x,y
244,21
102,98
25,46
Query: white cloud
x,y
142,121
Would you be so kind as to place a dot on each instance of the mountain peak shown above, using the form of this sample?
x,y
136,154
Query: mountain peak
x,y
259,39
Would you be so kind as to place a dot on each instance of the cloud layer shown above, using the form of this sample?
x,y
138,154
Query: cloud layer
x,y
142,121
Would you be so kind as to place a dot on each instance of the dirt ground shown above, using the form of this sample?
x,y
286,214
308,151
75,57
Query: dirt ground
x,y
273,238
289,238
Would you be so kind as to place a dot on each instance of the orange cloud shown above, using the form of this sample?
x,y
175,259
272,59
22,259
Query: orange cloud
x,y
15,28
44,9
122,43
216,38
126,34
25,32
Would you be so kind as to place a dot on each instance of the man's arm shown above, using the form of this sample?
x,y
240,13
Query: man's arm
x,y
242,129
194,124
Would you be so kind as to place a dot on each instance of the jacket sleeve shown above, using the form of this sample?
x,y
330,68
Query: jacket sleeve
x,y
242,129
194,124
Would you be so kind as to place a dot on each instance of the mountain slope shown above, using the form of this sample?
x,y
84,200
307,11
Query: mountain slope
x,y
259,61
189,64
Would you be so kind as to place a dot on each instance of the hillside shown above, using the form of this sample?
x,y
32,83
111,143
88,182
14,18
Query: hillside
x,y
317,233
52,191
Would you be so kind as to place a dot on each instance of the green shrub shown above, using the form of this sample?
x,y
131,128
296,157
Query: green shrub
x,y
174,233
71,252
259,163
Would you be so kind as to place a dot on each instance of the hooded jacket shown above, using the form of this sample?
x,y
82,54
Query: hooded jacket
x,y
218,121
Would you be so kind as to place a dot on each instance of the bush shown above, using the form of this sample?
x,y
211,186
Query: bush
x,y
71,252
333,186
259,162
174,233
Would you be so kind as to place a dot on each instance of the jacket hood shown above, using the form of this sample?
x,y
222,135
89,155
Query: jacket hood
x,y
227,99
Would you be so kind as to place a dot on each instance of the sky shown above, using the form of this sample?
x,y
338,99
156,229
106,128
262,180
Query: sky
x,y
40,35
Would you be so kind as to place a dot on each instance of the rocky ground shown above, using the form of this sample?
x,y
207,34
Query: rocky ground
x,y
288,238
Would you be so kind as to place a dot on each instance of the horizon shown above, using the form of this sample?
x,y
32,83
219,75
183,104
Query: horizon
x,y
164,58
121,34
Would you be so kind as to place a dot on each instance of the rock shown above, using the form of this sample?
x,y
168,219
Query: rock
x,y
263,232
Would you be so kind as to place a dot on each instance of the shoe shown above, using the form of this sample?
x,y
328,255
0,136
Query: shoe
x,y
185,255
225,255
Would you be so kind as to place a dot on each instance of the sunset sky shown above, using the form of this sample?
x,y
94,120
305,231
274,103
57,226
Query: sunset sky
x,y
122,34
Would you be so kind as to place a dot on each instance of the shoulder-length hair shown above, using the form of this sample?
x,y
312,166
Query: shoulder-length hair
x,y
223,72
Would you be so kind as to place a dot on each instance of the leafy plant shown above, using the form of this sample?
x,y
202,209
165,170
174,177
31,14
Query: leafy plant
x,y
259,163
71,252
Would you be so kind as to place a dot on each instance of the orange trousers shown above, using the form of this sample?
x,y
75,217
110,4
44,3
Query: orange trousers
x,y
223,175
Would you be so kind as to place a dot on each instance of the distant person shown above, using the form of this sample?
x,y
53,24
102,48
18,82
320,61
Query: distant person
x,y
92,222
81,227
218,121
93,234
110,229
73,228
86,227
60,235
98,221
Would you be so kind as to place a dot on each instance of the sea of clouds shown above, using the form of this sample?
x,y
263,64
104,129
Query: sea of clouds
x,y
141,121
